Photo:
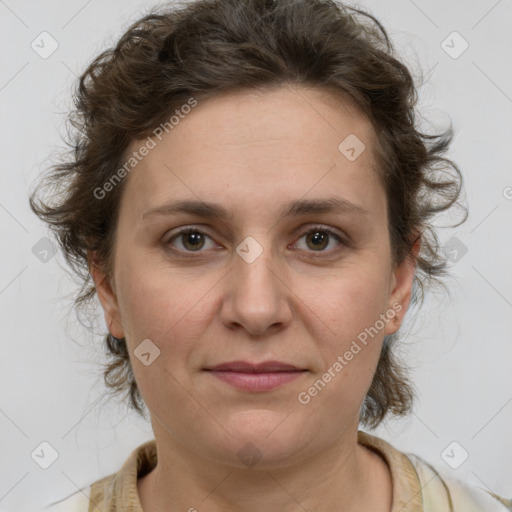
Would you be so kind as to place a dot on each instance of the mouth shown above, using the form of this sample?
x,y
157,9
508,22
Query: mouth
x,y
254,377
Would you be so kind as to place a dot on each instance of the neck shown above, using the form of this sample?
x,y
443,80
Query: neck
x,y
344,476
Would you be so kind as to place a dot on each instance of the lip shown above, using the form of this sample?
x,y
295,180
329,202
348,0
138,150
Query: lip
x,y
246,367
264,376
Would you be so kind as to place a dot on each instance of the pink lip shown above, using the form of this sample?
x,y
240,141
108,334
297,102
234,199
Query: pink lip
x,y
263,376
250,381
263,367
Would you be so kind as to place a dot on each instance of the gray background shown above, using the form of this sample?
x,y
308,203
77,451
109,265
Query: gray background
x,y
460,350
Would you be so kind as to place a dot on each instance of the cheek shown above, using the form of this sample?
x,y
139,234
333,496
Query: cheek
x,y
163,305
171,310
352,300
352,306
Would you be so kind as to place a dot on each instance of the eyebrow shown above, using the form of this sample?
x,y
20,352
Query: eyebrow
x,y
295,208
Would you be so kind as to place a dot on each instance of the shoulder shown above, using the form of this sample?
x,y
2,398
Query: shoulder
x,y
420,487
443,492
117,491
77,502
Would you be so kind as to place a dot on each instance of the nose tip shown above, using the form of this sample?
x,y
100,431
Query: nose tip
x,y
256,298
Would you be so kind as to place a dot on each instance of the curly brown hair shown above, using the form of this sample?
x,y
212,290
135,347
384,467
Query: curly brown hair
x,y
205,48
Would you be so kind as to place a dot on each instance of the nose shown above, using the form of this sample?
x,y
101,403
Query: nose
x,y
257,297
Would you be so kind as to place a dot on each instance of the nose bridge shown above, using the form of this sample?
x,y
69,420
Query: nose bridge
x,y
257,298
254,272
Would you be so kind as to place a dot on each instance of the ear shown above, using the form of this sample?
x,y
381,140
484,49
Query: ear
x,y
401,285
107,297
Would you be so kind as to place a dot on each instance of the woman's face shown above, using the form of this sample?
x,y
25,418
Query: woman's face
x,y
278,278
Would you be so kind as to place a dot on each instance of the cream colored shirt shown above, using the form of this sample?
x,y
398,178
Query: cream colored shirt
x,y
417,486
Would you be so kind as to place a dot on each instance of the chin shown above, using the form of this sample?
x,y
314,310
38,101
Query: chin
x,y
262,437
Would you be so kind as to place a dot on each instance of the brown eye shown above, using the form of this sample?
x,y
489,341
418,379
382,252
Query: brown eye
x,y
190,240
320,240
317,240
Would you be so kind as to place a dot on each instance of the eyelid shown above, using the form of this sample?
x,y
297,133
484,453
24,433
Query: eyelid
x,y
186,229
332,232
322,227
189,228
338,235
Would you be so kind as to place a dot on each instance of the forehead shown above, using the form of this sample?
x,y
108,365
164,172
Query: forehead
x,y
288,139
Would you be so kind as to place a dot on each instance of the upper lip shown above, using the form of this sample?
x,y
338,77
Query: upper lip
x,y
263,367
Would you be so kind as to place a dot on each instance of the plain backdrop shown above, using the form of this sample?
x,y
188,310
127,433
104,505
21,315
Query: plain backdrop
x,y
460,350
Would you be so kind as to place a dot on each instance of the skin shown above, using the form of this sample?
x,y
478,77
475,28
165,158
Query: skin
x,y
297,303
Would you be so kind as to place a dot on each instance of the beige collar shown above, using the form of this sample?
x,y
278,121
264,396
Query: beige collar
x,y
119,491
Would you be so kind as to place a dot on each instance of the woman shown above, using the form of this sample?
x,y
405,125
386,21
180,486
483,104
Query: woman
x,y
252,200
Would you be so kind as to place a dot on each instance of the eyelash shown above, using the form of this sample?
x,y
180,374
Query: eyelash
x,y
194,229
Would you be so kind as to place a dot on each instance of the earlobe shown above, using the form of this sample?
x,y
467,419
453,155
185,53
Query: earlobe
x,y
402,282
107,298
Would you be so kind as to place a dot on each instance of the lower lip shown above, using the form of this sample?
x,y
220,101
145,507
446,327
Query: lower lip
x,y
256,381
